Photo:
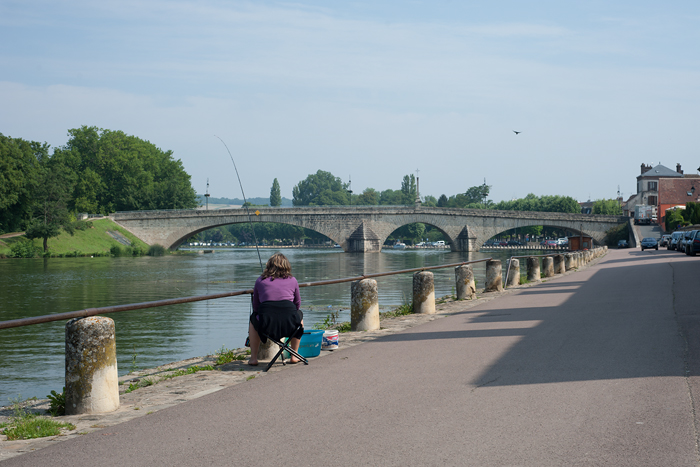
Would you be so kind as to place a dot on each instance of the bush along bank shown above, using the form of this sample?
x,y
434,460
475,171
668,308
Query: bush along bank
x,y
96,238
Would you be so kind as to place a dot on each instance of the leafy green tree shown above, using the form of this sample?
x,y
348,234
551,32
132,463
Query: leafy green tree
x,y
320,189
674,219
430,201
275,195
409,189
118,172
51,203
692,212
607,206
542,203
369,197
442,201
477,194
19,171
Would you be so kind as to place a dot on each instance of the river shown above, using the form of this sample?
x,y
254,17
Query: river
x,y
32,357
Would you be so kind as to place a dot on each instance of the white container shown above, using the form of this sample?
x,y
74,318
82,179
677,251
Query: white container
x,y
330,340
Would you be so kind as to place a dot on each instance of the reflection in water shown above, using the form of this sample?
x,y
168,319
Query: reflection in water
x,y
32,357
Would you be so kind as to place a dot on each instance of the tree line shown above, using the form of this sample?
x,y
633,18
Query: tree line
x,y
98,171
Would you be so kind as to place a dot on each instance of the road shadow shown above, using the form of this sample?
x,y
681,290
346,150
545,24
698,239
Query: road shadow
x,y
621,323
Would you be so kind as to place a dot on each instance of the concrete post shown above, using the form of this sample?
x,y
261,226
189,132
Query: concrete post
x,y
92,384
423,293
364,305
548,266
466,287
267,350
533,269
514,273
559,267
494,277
569,261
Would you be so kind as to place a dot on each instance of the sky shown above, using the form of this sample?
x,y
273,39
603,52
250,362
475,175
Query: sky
x,y
367,90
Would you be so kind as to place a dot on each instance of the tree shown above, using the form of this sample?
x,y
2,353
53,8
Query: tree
x,y
19,170
320,189
477,194
607,206
275,196
119,172
369,197
442,201
51,203
430,201
409,190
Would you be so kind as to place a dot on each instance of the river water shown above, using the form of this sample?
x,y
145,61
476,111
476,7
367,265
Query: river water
x,y
32,357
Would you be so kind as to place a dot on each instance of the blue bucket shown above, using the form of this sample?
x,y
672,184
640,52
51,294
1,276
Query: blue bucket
x,y
310,345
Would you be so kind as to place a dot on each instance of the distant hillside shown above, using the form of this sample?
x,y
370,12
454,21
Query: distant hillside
x,y
239,202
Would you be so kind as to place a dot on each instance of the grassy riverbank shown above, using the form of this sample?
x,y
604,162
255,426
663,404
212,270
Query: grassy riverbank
x,y
96,240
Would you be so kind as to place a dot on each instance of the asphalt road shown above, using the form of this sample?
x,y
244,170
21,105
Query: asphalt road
x,y
600,367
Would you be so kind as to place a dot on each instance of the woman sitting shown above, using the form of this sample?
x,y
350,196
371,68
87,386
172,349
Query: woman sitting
x,y
276,304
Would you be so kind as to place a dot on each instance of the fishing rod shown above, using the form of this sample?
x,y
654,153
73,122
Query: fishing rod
x,y
245,205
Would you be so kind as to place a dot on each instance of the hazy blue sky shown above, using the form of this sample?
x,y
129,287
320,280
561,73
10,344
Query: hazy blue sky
x,y
368,89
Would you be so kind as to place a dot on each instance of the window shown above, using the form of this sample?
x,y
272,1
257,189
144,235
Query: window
x,y
651,200
653,186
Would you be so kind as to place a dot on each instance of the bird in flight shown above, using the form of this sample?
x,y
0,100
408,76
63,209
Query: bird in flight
x,y
517,132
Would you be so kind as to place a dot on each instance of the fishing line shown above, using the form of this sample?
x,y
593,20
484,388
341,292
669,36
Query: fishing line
x,y
245,204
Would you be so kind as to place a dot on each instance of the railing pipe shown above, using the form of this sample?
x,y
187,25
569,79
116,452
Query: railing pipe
x,y
15,323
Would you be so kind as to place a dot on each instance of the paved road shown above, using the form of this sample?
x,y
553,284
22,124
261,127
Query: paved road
x,y
600,367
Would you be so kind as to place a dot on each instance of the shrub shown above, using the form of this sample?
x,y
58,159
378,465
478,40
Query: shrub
x,y
57,403
23,248
156,250
116,250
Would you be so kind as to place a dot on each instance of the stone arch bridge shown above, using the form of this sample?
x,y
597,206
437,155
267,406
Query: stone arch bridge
x,y
361,228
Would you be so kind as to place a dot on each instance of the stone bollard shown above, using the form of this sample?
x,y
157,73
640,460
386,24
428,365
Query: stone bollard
x,y
548,266
569,261
466,287
559,267
423,293
267,350
533,269
513,273
364,306
92,384
494,277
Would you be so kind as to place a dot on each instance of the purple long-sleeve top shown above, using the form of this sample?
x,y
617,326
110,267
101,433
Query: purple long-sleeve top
x,y
279,289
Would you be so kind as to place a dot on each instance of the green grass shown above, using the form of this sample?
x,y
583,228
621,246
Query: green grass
x,y
224,355
145,382
25,425
94,241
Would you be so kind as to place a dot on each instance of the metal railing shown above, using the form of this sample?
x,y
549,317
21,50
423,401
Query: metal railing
x,y
15,323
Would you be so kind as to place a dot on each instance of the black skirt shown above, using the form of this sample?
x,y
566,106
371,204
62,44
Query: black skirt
x,y
277,319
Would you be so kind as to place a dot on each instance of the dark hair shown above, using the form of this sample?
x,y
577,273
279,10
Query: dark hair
x,y
277,266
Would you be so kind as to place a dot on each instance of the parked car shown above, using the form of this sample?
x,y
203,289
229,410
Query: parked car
x,y
623,244
675,237
563,241
665,238
551,243
649,243
514,243
692,245
684,240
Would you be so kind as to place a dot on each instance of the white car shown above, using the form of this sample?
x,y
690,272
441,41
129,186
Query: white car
x,y
563,241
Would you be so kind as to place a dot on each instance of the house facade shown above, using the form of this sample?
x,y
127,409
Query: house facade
x,y
664,188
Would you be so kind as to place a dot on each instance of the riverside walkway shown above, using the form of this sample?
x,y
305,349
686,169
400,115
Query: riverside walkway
x,y
597,367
